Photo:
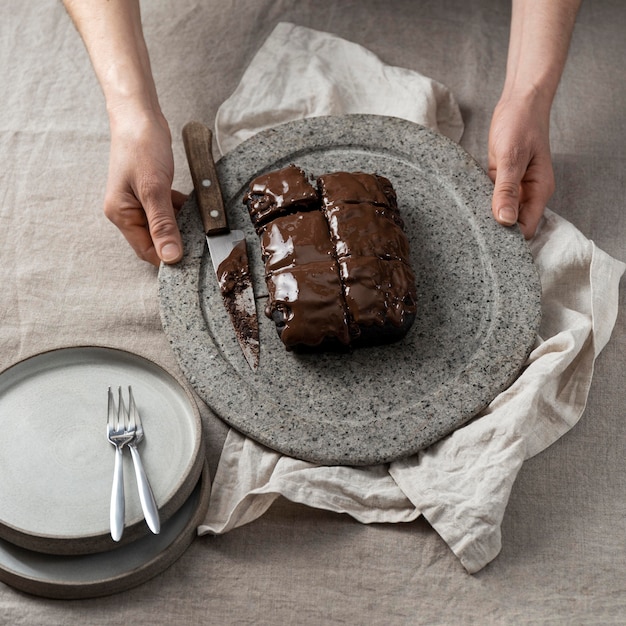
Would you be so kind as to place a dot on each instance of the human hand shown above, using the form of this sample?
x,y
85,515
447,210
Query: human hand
x,y
520,164
139,197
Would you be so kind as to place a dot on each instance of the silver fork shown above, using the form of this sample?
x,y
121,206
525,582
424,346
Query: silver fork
x,y
146,497
119,437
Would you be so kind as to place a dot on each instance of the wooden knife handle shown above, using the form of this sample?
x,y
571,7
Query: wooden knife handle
x,y
198,142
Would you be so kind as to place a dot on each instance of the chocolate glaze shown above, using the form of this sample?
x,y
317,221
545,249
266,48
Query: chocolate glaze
x,y
356,187
378,291
337,270
296,239
364,229
306,304
273,194
233,273
303,280
342,188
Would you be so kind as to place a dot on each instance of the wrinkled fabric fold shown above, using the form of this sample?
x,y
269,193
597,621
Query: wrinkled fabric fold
x,y
461,484
300,72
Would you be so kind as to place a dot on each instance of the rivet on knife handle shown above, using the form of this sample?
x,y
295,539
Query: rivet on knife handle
x,y
198,139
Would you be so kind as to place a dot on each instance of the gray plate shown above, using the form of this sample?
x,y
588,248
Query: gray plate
x,y
478,298
57,465
93,575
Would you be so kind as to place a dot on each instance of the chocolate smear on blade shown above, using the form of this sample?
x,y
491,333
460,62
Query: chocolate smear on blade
x,y
233,275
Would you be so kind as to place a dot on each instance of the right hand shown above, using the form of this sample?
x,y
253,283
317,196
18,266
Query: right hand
x,y
139,197
520,164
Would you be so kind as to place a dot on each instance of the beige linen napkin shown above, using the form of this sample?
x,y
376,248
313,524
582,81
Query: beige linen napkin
x,y
461,484
299,72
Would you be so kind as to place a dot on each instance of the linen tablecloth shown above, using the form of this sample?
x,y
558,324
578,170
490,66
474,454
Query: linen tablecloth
x,y
68,277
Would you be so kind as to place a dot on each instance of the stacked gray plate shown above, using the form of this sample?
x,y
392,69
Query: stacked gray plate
x,y
57,466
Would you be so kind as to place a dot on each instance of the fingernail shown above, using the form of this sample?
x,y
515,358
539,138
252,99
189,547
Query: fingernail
x,y
170,252
507,215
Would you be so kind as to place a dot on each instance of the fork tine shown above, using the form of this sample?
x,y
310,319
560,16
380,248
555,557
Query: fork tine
x,y
111,412
135,420
122,415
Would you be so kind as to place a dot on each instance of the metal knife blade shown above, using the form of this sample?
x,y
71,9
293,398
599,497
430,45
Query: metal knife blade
x,y
227,247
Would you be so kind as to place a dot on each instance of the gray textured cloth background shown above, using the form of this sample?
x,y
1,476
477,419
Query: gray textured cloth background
x,y
67,277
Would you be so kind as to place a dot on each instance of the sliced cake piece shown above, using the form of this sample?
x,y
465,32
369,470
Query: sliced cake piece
x,y
279,193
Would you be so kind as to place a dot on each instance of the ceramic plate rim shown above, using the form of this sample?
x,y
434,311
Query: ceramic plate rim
x,y
156,564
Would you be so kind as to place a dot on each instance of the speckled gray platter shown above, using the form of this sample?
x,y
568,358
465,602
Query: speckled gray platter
x,y
478,297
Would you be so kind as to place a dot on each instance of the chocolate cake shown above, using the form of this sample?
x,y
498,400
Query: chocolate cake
x,y
336,258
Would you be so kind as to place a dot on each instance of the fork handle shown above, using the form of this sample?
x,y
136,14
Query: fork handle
x,y
117,510
146,497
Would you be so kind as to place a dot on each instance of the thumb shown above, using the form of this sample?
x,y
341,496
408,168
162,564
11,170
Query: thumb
x,y
506,196
164,232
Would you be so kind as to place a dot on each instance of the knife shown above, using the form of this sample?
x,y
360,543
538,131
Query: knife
x,y
227,247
